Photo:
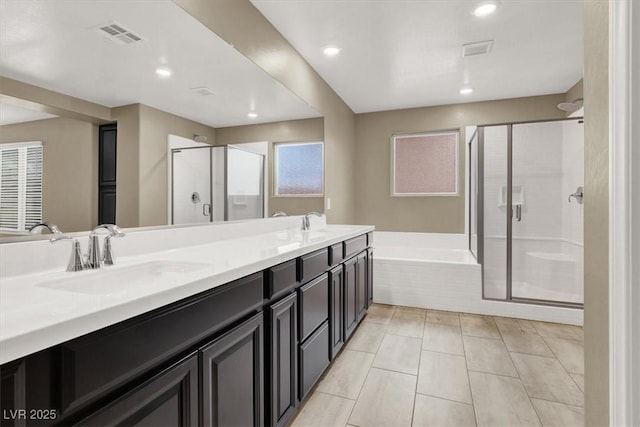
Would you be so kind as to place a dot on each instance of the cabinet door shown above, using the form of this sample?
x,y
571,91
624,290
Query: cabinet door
x,y
168,399
369,277
350,296
12,394
361,279
232,377
336,310
282,360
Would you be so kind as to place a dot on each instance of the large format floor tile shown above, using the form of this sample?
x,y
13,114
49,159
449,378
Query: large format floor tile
x,y
579,380
431,411
520,336
398,353
367,337
545,378
323,410
442,338
347,374
444,317
553,414
488,355
557,330
501,401
380,313
444,375
407,323
569,353
479,326
386,400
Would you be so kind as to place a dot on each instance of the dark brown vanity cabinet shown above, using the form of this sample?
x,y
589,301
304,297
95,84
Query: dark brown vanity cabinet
x,y
282,360
168,399
233,377
369,277
245,353
336,310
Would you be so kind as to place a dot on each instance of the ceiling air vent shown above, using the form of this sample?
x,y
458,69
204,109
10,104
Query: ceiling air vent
x,y
118,34
203,90
480,48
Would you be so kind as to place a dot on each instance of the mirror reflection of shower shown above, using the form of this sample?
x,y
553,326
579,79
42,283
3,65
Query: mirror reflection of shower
x,y
214,183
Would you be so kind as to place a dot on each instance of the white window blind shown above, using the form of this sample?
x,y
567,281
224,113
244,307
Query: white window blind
x,y
20,186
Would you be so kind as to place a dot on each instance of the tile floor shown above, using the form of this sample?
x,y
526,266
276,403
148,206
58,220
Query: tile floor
x,y
414,367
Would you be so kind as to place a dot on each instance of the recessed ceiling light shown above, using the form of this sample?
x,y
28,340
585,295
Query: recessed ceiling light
x,y
331,50
163,72
252,115
466,90
485,8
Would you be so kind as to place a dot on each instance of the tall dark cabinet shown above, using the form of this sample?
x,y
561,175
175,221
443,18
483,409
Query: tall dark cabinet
x,y
107,160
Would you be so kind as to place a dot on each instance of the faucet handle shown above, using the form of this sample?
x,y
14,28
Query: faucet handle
x,y
76,261
107,252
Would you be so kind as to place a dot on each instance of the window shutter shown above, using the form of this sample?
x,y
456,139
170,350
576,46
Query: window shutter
x,y
20,186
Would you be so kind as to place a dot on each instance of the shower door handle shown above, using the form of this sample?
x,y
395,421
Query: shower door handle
x,y
518,213
206,209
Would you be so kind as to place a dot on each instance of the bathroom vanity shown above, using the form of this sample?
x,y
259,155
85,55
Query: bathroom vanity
x,y
235,332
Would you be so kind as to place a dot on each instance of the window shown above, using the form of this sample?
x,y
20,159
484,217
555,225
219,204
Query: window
x,y
299,169
425,164
20,186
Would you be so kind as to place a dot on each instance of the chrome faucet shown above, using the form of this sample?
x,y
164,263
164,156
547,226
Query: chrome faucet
x,y
279,213
45,225
76,261
305,220
94,260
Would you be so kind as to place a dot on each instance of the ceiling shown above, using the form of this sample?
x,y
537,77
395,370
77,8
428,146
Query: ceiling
x,y
11,114
401,54
56,45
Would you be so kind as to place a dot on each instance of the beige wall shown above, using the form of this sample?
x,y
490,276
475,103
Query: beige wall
x,y
432,214
239,23
155,127
127,164
287,131
596,202
576,91
70,169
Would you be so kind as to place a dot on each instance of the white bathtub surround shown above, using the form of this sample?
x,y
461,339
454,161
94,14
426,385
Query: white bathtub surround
x,y
42,305
437,271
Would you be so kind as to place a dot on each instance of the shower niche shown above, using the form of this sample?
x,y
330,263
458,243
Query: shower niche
x,y
216,183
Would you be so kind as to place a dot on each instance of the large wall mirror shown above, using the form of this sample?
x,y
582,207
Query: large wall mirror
x,y
69,70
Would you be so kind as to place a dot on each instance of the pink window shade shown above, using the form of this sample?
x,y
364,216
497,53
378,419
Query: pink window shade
x,y
425,164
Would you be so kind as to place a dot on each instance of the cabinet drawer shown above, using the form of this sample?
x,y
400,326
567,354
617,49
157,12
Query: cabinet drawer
x,y
312,265
96,364
336,254
314,305
314,359
355,245
281,278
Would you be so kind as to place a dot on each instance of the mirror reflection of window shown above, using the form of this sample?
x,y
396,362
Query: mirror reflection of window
x,y
20,186
299,169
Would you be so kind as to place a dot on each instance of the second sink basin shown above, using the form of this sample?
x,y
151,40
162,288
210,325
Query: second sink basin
x,y
119,280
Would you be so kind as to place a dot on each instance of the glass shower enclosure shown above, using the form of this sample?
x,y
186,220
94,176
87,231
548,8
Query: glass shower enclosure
x,y
525,186
217,183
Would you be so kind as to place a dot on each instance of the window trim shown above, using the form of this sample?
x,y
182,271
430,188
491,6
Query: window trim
x,y
395,135
276,163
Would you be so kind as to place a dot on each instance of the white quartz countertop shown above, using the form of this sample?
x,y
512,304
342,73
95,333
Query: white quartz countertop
x,y
46,308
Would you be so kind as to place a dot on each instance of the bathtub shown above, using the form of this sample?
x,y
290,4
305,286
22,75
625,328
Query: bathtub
x,y
437,271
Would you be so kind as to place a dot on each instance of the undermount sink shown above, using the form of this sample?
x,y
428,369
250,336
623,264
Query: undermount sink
x,y
119,280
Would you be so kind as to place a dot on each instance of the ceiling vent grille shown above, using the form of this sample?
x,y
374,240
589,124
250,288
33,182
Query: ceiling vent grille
x,y
118,34
205,91
480,48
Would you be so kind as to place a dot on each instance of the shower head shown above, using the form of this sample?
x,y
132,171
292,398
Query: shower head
x,y
571,107
200,138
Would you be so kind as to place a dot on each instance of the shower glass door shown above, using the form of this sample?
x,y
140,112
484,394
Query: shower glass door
x,y
547,166
191,193
493,149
